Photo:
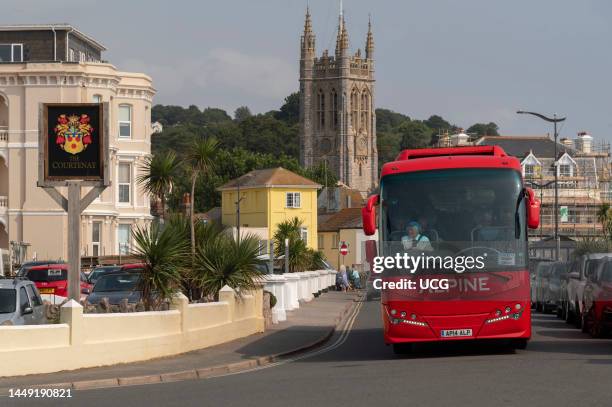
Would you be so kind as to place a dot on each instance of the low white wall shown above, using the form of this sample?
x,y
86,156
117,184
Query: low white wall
x,y
91,340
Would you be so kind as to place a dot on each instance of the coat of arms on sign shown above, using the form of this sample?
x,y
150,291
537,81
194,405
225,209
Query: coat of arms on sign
x,y
73,133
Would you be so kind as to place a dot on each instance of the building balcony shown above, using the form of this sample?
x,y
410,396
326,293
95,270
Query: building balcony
x,y
4,211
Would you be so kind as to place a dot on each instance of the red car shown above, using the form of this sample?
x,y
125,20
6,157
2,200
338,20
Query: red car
x,y
53,279
597,297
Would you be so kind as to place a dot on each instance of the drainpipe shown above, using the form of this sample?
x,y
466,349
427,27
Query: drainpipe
x,y
54,44
68,31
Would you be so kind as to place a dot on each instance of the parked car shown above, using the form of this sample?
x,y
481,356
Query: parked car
x,y
597,298
118,285
575,286
25,267
557,287
20,303
533,267
99,271
540,284
52,279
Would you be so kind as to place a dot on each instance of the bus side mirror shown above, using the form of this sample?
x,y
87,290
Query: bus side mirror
x,y
533,209
368,215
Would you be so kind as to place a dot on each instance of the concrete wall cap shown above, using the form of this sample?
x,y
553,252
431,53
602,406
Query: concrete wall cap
x,y
275,278
227,289
72,304
291,276
180,296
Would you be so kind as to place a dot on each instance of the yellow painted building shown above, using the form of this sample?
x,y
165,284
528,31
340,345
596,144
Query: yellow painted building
x,y
343,226
269,197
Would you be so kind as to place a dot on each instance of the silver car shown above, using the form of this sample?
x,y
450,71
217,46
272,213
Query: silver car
x,y
20,303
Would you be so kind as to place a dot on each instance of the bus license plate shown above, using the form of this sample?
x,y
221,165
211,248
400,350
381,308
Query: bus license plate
x,y
453,333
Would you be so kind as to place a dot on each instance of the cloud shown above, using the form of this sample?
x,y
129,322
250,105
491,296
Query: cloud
x,y
222,71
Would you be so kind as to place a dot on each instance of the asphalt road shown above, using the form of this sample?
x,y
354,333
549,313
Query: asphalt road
x,y
561,367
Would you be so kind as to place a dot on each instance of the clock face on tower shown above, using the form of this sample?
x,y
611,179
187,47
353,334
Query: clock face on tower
x,y
362,145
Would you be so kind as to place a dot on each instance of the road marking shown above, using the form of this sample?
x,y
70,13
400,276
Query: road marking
x,y
347,327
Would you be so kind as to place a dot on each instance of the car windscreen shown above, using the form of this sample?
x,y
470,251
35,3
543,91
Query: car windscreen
x,y
49,275
606,275
117,282
7,300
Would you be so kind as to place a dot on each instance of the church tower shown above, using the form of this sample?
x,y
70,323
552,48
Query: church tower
x,y
337,117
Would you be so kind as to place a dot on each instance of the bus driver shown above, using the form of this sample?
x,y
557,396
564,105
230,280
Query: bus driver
x,y
414,239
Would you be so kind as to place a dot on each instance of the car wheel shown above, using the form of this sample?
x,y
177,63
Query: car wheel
x,y
402,348
584,326
578,316
567,313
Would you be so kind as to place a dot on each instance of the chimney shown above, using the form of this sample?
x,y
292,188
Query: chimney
x,y
567,142
584,142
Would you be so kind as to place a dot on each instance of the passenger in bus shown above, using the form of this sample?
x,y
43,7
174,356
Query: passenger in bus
x,y
427,222
414,239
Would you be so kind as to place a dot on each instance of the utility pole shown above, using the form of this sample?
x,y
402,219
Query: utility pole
x,y
553,120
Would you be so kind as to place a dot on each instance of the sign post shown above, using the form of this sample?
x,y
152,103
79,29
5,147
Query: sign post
x,y
343,250
73,151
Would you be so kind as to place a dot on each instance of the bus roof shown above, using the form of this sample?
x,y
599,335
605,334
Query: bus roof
x,y
446,158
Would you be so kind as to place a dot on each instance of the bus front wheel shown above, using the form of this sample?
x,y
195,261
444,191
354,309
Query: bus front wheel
x,y
520,343
402,348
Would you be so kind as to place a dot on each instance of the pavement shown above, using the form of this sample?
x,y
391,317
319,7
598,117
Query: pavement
x,y
306,327
560,367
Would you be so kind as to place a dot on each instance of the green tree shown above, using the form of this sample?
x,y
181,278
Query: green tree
x,y
224,260
214,115
299,256
388,120
242,113
484,129
604,216
201,161
414,135
157,176
162,251
290,110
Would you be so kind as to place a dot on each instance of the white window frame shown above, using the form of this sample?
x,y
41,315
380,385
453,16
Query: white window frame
x,y
304,234
96,244
531,173
293,200
82,57
71,55
129,241
569,168
97,98
130,164
13,46
128,122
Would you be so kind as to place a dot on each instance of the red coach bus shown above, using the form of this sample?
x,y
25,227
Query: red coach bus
x,y
465,212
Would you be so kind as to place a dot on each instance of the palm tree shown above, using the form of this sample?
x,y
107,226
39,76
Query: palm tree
x,y
158,175
299,257
163,252
201,162
603,216
224,260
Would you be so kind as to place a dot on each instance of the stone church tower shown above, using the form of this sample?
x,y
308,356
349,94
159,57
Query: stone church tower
x,y
337,118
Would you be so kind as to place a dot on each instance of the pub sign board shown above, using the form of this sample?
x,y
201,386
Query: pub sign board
x,y
74,143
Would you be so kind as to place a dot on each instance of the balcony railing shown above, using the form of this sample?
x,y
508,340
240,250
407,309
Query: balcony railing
x,y
3,202
3,133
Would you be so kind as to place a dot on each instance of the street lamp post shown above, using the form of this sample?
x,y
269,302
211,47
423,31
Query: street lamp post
x,y
238,200
553,120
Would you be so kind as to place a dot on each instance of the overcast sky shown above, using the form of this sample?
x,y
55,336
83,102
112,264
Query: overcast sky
x,y
467,60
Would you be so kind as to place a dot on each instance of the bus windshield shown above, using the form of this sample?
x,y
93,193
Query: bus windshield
x,y
456,212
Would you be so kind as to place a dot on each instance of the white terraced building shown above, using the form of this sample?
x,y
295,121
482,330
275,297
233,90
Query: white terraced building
x,y
59,64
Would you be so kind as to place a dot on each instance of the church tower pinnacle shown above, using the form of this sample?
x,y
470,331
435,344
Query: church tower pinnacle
x,y
337,111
